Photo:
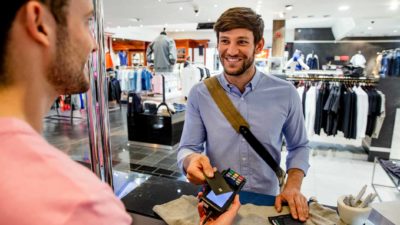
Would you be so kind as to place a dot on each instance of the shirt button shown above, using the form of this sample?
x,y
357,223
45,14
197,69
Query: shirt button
x,y
243,139
242,98
244,158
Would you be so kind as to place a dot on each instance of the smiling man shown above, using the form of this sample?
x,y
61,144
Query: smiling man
x,y
270,105
44,46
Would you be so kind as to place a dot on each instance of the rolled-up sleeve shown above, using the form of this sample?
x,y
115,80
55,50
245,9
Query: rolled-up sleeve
x,y
295,135
194,133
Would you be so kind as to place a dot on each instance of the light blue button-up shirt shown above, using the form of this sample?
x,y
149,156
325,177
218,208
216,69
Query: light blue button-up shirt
x,y
272,108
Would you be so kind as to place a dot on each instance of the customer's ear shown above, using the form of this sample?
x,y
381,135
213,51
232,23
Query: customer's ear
x,y
39,22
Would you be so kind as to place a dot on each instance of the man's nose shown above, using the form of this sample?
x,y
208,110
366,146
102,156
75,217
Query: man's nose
x,y
232,49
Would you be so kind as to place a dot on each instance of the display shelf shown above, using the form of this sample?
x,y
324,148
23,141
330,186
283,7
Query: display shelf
x,y
393,189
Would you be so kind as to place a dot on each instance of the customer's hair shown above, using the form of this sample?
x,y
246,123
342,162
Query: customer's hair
x,y
7,16
240,17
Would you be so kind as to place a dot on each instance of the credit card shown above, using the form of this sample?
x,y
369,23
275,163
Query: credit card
x,y
218,184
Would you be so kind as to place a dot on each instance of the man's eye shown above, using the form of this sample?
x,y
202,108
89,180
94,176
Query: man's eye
x,y
90,20
224,41
243,42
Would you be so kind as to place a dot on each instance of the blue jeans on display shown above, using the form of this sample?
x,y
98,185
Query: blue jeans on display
x,y
384,65
396,63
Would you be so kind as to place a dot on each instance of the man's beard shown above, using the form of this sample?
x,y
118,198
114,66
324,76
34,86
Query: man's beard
x,y
66,72
246,64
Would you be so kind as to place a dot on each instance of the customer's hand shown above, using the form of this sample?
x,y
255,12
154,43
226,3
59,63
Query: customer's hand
x,y
291,194
196,165
226,218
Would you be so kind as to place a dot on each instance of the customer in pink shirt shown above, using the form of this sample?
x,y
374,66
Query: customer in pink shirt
x,y
44,46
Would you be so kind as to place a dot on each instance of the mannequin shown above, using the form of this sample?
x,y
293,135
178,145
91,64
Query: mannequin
x,y
358,60
298,61
164,50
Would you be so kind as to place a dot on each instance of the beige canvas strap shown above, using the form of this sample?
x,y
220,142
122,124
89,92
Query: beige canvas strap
x,y
225,104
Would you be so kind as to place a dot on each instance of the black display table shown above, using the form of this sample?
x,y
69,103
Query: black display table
x,y
156,128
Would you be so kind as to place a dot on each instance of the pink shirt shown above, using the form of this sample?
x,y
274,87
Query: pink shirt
x,y
42,185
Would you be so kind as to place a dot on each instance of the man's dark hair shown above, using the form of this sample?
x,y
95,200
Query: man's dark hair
x,y
7,16
240,17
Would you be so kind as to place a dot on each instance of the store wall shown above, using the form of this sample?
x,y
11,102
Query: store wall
x,y
210,35
330,49
134,33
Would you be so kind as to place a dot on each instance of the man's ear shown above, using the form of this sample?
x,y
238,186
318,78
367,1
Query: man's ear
x,y
39,22
260,46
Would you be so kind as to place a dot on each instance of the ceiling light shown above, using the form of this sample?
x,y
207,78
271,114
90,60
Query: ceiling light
x,y
215,6
159,0
281,15
176,30
141,25
181,8
369,28
394,5
183,30
209,20
395,31
197,14
119,27
289,7
344,8
259,2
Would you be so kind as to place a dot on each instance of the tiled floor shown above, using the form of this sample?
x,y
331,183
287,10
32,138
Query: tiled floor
x,y
336,169
73,140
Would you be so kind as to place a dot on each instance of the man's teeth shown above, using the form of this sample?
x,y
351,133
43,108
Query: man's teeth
x,y
233,59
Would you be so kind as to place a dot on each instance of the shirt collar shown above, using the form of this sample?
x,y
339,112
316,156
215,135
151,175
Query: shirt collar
x,y
229,87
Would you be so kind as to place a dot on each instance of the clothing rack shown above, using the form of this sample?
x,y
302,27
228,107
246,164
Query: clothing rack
x,y
335,79
335,104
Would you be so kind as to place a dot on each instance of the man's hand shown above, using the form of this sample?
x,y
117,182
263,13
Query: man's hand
x,y
292,195
226,218
196,165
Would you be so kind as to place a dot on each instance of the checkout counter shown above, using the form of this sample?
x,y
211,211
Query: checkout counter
x,y
141,192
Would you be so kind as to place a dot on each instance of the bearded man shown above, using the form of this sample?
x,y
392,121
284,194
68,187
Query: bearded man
x,y
270,106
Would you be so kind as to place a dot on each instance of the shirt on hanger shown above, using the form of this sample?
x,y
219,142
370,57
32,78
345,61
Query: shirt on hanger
x,y
381,117
362,106
123,59
358,60
310,107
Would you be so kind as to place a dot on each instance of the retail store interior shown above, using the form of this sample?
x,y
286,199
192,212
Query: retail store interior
x,y
315,45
